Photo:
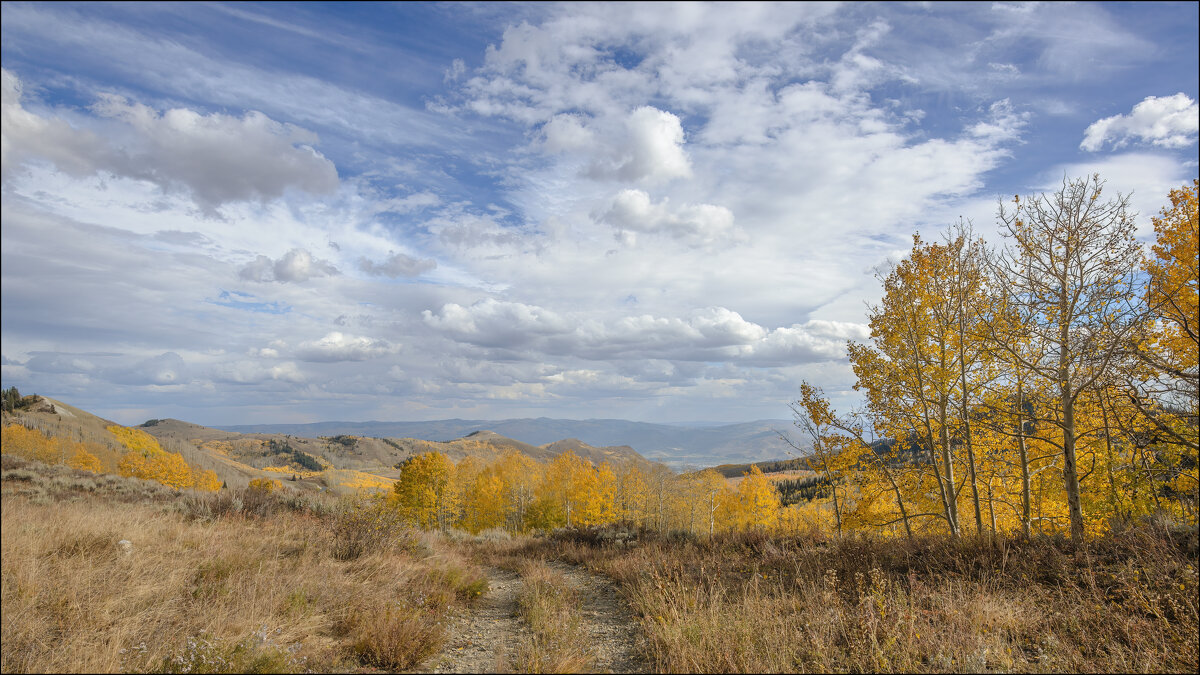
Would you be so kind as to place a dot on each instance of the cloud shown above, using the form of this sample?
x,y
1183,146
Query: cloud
x,y
494,323
297,265
337,346
58,362
252,372
165,369
712,334
567,133
397,265
653,148
215,158
1166,122
694,224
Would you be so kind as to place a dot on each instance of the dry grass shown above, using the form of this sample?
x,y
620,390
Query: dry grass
x,y
237,592
549,605
749,603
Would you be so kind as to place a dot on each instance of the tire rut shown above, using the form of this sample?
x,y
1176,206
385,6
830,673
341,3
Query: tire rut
x,y
484,638
615,642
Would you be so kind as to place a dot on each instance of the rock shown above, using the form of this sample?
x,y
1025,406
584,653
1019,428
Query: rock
x,y
126,546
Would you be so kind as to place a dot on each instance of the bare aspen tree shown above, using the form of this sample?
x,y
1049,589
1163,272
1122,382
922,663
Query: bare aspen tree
x,y
1069,264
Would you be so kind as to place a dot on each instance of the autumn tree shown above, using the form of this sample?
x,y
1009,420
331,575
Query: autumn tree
x,y
924,366
1069,263
1171,345
424,493
758,501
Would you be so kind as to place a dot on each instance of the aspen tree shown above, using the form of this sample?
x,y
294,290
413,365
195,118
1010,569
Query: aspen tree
x,y
1070,261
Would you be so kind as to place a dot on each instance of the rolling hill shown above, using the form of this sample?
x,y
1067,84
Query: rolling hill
x,y
678,446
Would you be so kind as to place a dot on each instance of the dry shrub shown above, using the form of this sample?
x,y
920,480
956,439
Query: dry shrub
x,y
362,525
391,635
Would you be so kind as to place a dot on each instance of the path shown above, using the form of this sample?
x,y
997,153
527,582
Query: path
x,y
484,638
612,631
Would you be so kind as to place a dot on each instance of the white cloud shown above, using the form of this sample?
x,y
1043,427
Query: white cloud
x,y
297,265
165,369
337,346
1166,122
694,224
566,133
493,323
397,265
710,334
653,148
214,158
252,372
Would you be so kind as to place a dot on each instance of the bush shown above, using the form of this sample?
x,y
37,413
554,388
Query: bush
x,y
394,637
363,525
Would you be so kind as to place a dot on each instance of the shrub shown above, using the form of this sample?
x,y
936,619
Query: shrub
x,y
364,524
394,637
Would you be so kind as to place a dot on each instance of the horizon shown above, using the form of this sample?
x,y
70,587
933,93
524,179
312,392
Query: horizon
x,y
653,212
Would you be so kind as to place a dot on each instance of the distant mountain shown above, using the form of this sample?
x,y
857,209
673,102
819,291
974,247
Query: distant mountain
x,y
678,446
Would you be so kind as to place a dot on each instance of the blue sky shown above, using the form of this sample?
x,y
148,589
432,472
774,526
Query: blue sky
x,y
275,212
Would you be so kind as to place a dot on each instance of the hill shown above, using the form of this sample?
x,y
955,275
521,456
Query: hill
x,y
301,462
678,446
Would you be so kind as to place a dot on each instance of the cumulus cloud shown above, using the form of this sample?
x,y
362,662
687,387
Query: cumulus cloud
x,y
1167,122
297,265
709,334
397,265
567,133
59,362
215,158
814,340
166,368
493,323
632,211
252,372
337,346
650,149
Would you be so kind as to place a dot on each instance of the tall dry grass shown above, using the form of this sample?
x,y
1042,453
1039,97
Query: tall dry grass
x,y
231,593
752,603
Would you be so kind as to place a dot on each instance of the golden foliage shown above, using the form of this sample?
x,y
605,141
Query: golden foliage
x,y
33,444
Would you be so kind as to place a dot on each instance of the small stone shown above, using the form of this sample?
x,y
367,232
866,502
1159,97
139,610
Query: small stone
x,y
126,546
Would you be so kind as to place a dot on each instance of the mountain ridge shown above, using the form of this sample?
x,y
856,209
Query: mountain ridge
x,y
678,446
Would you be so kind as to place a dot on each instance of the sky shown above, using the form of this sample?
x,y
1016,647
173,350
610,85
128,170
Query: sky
x,y
294,212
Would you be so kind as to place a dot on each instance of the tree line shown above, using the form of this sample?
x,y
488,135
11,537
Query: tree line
x,y
1046,384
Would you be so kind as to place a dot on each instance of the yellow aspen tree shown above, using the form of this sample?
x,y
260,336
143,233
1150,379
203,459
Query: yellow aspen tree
x,y
910,371
83,460
484,504
1166,391
423,490
207,481
633,494
759,501
599,500
521,475
847,438
1071,261
830,454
